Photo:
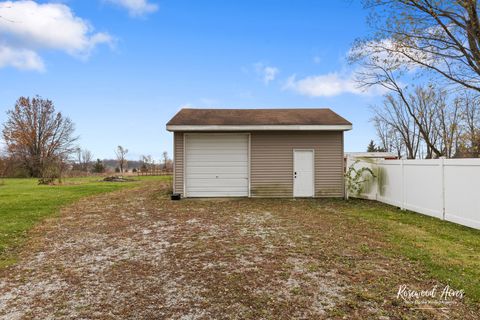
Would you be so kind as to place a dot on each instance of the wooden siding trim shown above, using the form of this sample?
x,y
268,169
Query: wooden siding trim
x,y
174,170
178,162
343,166
249,150
184,170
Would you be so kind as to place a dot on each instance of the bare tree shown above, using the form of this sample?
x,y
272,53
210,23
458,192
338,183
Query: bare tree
x,y
469,140
37,135
428,122
383,72
384,134
84,159
449,125
472,116
121,152
441,37
426,102
165,159
148,163
397,125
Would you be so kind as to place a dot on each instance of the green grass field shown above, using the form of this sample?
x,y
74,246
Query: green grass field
x,y
23,203
450,252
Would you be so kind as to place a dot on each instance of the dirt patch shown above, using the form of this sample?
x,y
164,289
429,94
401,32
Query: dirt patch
x,y
136,254
116,179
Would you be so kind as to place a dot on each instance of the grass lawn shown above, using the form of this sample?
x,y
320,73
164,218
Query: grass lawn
x,y
23,203
450,252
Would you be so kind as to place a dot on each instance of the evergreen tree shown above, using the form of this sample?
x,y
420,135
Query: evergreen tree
x,y
98,167
372,147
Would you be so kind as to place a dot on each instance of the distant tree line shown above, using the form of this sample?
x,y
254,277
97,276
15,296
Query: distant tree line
x,y
41,142
429,124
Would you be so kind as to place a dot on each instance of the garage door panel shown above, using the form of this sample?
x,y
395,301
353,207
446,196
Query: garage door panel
x,y
221,193
208,138
201,151
214,156
231,189
231,146
211,164
228,175
216,165
242,182
218,148
240,169
227,158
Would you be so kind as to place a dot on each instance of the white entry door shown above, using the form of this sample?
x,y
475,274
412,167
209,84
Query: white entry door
x,y
216,165
303,173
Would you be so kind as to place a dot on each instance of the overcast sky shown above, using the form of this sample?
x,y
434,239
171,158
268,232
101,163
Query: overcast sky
x,y
122,68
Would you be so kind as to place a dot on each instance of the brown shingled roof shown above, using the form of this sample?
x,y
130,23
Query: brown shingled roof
x,y
257,117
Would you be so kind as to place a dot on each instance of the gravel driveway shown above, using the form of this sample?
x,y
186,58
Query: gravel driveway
x,y
136,254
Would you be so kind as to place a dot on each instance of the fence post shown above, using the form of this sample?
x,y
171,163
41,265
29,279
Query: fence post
x,y
442,177
345,170
377,179
402,204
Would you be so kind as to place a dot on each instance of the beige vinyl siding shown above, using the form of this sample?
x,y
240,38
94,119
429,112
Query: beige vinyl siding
x,y
272,162
178,162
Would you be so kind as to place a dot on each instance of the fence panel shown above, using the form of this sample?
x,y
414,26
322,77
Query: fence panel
x,y
423,187
389,182
462,191
446,189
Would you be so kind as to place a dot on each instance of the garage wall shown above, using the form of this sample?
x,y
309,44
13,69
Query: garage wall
x,y
272,162
178,162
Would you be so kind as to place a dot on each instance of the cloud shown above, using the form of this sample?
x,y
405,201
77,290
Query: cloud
x,y
267,73
26,27
136,8
22,59
385,53
328,85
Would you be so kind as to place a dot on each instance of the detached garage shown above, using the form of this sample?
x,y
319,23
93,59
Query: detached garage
x,y
258,152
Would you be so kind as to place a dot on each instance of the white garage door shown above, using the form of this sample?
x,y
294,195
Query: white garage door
x,y
216,165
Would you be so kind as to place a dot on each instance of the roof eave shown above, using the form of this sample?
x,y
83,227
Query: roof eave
x,y
199,128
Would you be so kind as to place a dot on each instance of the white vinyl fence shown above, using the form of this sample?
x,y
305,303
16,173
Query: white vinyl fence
x,y
447,189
